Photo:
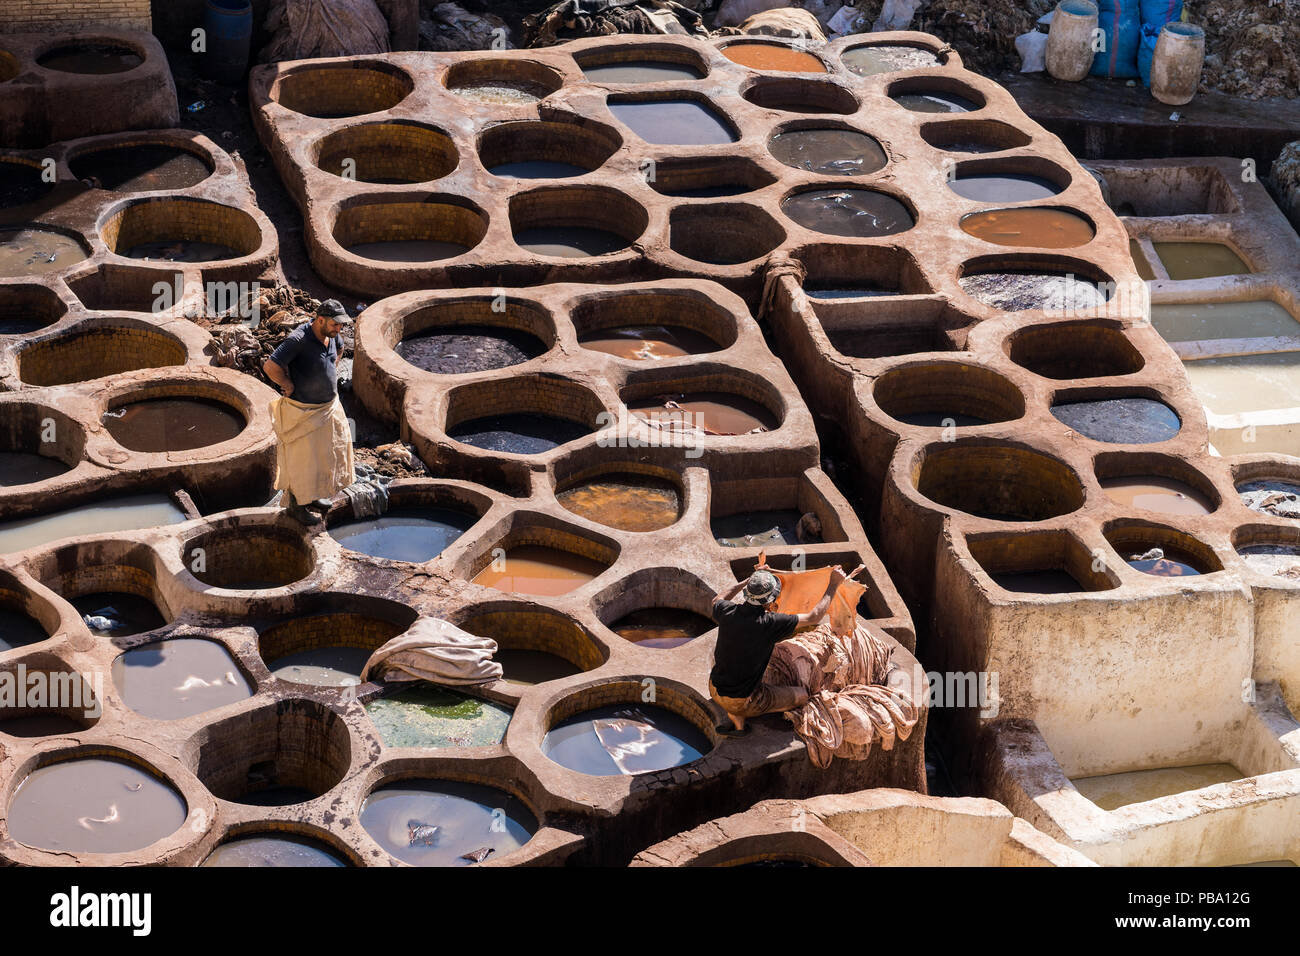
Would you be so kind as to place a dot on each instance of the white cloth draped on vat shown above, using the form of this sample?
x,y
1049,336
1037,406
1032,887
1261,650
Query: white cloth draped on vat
x,y
435,650
313,452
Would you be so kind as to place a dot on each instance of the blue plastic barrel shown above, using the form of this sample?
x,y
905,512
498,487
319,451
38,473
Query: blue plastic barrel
x,y
229,28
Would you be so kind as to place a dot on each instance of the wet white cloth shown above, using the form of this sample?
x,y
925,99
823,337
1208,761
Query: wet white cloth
x,y
435,650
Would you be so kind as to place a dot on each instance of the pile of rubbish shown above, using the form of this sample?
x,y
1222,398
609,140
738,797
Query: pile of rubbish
x,y
576,19
1252,47
306,29
394,460
446,27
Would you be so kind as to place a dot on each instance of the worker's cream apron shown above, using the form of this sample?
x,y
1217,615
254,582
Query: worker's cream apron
x,y
314,449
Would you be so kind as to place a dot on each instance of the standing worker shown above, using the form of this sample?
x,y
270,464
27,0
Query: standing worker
x,y
747,632
314,451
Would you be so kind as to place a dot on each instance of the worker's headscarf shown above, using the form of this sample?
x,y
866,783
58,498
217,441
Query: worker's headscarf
x,y
762,588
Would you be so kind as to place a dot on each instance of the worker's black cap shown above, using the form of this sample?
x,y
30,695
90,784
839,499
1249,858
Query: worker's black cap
x,y
333,309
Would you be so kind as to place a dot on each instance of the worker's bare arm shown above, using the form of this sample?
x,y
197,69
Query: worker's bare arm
x,y
279,375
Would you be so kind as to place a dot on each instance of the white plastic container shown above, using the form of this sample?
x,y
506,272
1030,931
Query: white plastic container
x,y
1069,41
1176,65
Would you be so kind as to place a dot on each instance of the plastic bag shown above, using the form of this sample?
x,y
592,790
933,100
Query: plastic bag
x,y
1121,23
1032,47
1155,14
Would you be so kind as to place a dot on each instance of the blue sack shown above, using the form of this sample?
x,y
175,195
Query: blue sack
x,y
1121,22
1155,14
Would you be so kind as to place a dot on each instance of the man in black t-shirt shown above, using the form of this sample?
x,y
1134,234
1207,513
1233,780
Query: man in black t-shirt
x,y
747,632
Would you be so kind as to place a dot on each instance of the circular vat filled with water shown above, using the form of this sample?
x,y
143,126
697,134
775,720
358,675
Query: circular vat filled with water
x,y
628,737
1122,420
342,89
116,611
392,153
546,149
641,63
723,233
22,181
853,213
28,308
534,645
1159,551
58,700
249,557
19,627
1075,350
462,336
576,222
932,94
772,57
708,177
411,530
1028,283
676,119
657,608
871,59
1268,550
90,351
500,82
650,326
92,59
427,231
180,677
974,136
331,649
528,415
1157,483
791,95
30,250
172,423
829,150
101,804
282,754
141,167
1039,227
627,498
428,716
721,406
543,562
947,395
37,443
287,850
427,822
181,230
1010,180
997,481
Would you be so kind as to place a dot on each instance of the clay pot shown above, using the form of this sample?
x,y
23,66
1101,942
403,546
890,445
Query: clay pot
x,y
1069,42
1176,65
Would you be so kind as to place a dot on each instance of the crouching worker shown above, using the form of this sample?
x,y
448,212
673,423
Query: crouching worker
x,y
313,439
747,632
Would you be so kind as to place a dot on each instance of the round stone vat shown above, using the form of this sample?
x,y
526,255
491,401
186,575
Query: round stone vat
x,y
555,563
832,150
708,178
410,231
410,533
56,699
723,233
1040,227
1028,283
527,415
718,406
180,677
501,82
535,645
354,88
997,481
772,57
177,422
1075,350
107,803
1160,551
546,149
854,213
37,443
1049,562
29,250
253,849
141,167
19,626
112,586
657,608
96,351
331,650
624,497
589,734
181,230
1119,420
22,181
646,326
461,336
90,58
800,96
576,221
1268,550
427,716
673,119
1013,179
641,63
871,59
933,94
28,308
974,136
947,395
285,753
427,822
392,153
248,557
